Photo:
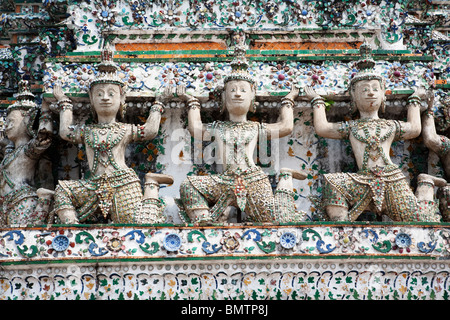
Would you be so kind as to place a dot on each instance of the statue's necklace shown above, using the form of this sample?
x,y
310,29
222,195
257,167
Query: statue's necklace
x,y
103,148
373,142
236,136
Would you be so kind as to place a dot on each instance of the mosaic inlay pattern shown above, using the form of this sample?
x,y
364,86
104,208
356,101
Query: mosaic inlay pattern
x,y
231,280
179,243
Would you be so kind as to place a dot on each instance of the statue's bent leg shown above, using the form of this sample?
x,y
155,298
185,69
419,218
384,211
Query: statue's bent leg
x,y
284,202
425,186
334,201
443,195
64,207
152,207
152,183
195,204
45,199
426,198
21,207
74,202
403,205
23,212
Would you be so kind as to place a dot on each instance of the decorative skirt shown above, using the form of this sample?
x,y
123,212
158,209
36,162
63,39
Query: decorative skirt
x,y
117,194
249,190
19,208
385,188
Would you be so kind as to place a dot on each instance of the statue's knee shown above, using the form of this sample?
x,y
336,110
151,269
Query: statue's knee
x,y
59,192
43,193
337,213
68,216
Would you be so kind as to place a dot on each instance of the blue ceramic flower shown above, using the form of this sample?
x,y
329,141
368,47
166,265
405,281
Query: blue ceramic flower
x,y
172,242
288,240
60,243
402,240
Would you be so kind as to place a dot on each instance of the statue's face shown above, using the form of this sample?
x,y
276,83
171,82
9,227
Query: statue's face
x,y
239,95
368,95
15,126
106,98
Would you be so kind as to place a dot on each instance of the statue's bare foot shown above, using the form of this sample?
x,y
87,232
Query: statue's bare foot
x,y
159,178
45,193
438,182
336,213
68,216
200,217
296,174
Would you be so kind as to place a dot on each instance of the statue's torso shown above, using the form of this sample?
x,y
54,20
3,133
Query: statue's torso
x,y
236,142
371,142
105,147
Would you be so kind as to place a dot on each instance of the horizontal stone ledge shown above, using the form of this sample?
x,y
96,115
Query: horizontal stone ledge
x,y
323,240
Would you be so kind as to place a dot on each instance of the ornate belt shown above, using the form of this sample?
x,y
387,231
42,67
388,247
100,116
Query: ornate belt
x,y
377,179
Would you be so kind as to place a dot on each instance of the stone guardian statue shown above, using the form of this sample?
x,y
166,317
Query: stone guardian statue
x,y
440,144
242,184
113,191
379,184
20,202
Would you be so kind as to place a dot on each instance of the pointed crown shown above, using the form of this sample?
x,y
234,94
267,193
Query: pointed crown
x,y
365,66
25,99
239,66
107,69
26,105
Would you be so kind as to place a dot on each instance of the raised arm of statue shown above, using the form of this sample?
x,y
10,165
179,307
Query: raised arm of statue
x,y
67,130
44,133
195,125
430,137
150,129
285,124
321,125
412,127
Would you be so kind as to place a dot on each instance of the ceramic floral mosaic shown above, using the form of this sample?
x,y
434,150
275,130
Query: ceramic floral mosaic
x,y
231,280
177,243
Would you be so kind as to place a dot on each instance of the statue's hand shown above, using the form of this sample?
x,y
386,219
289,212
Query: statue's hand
x,y
58,93
293,94
44,139
310,93
166,95
421,92
430,99
181,93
